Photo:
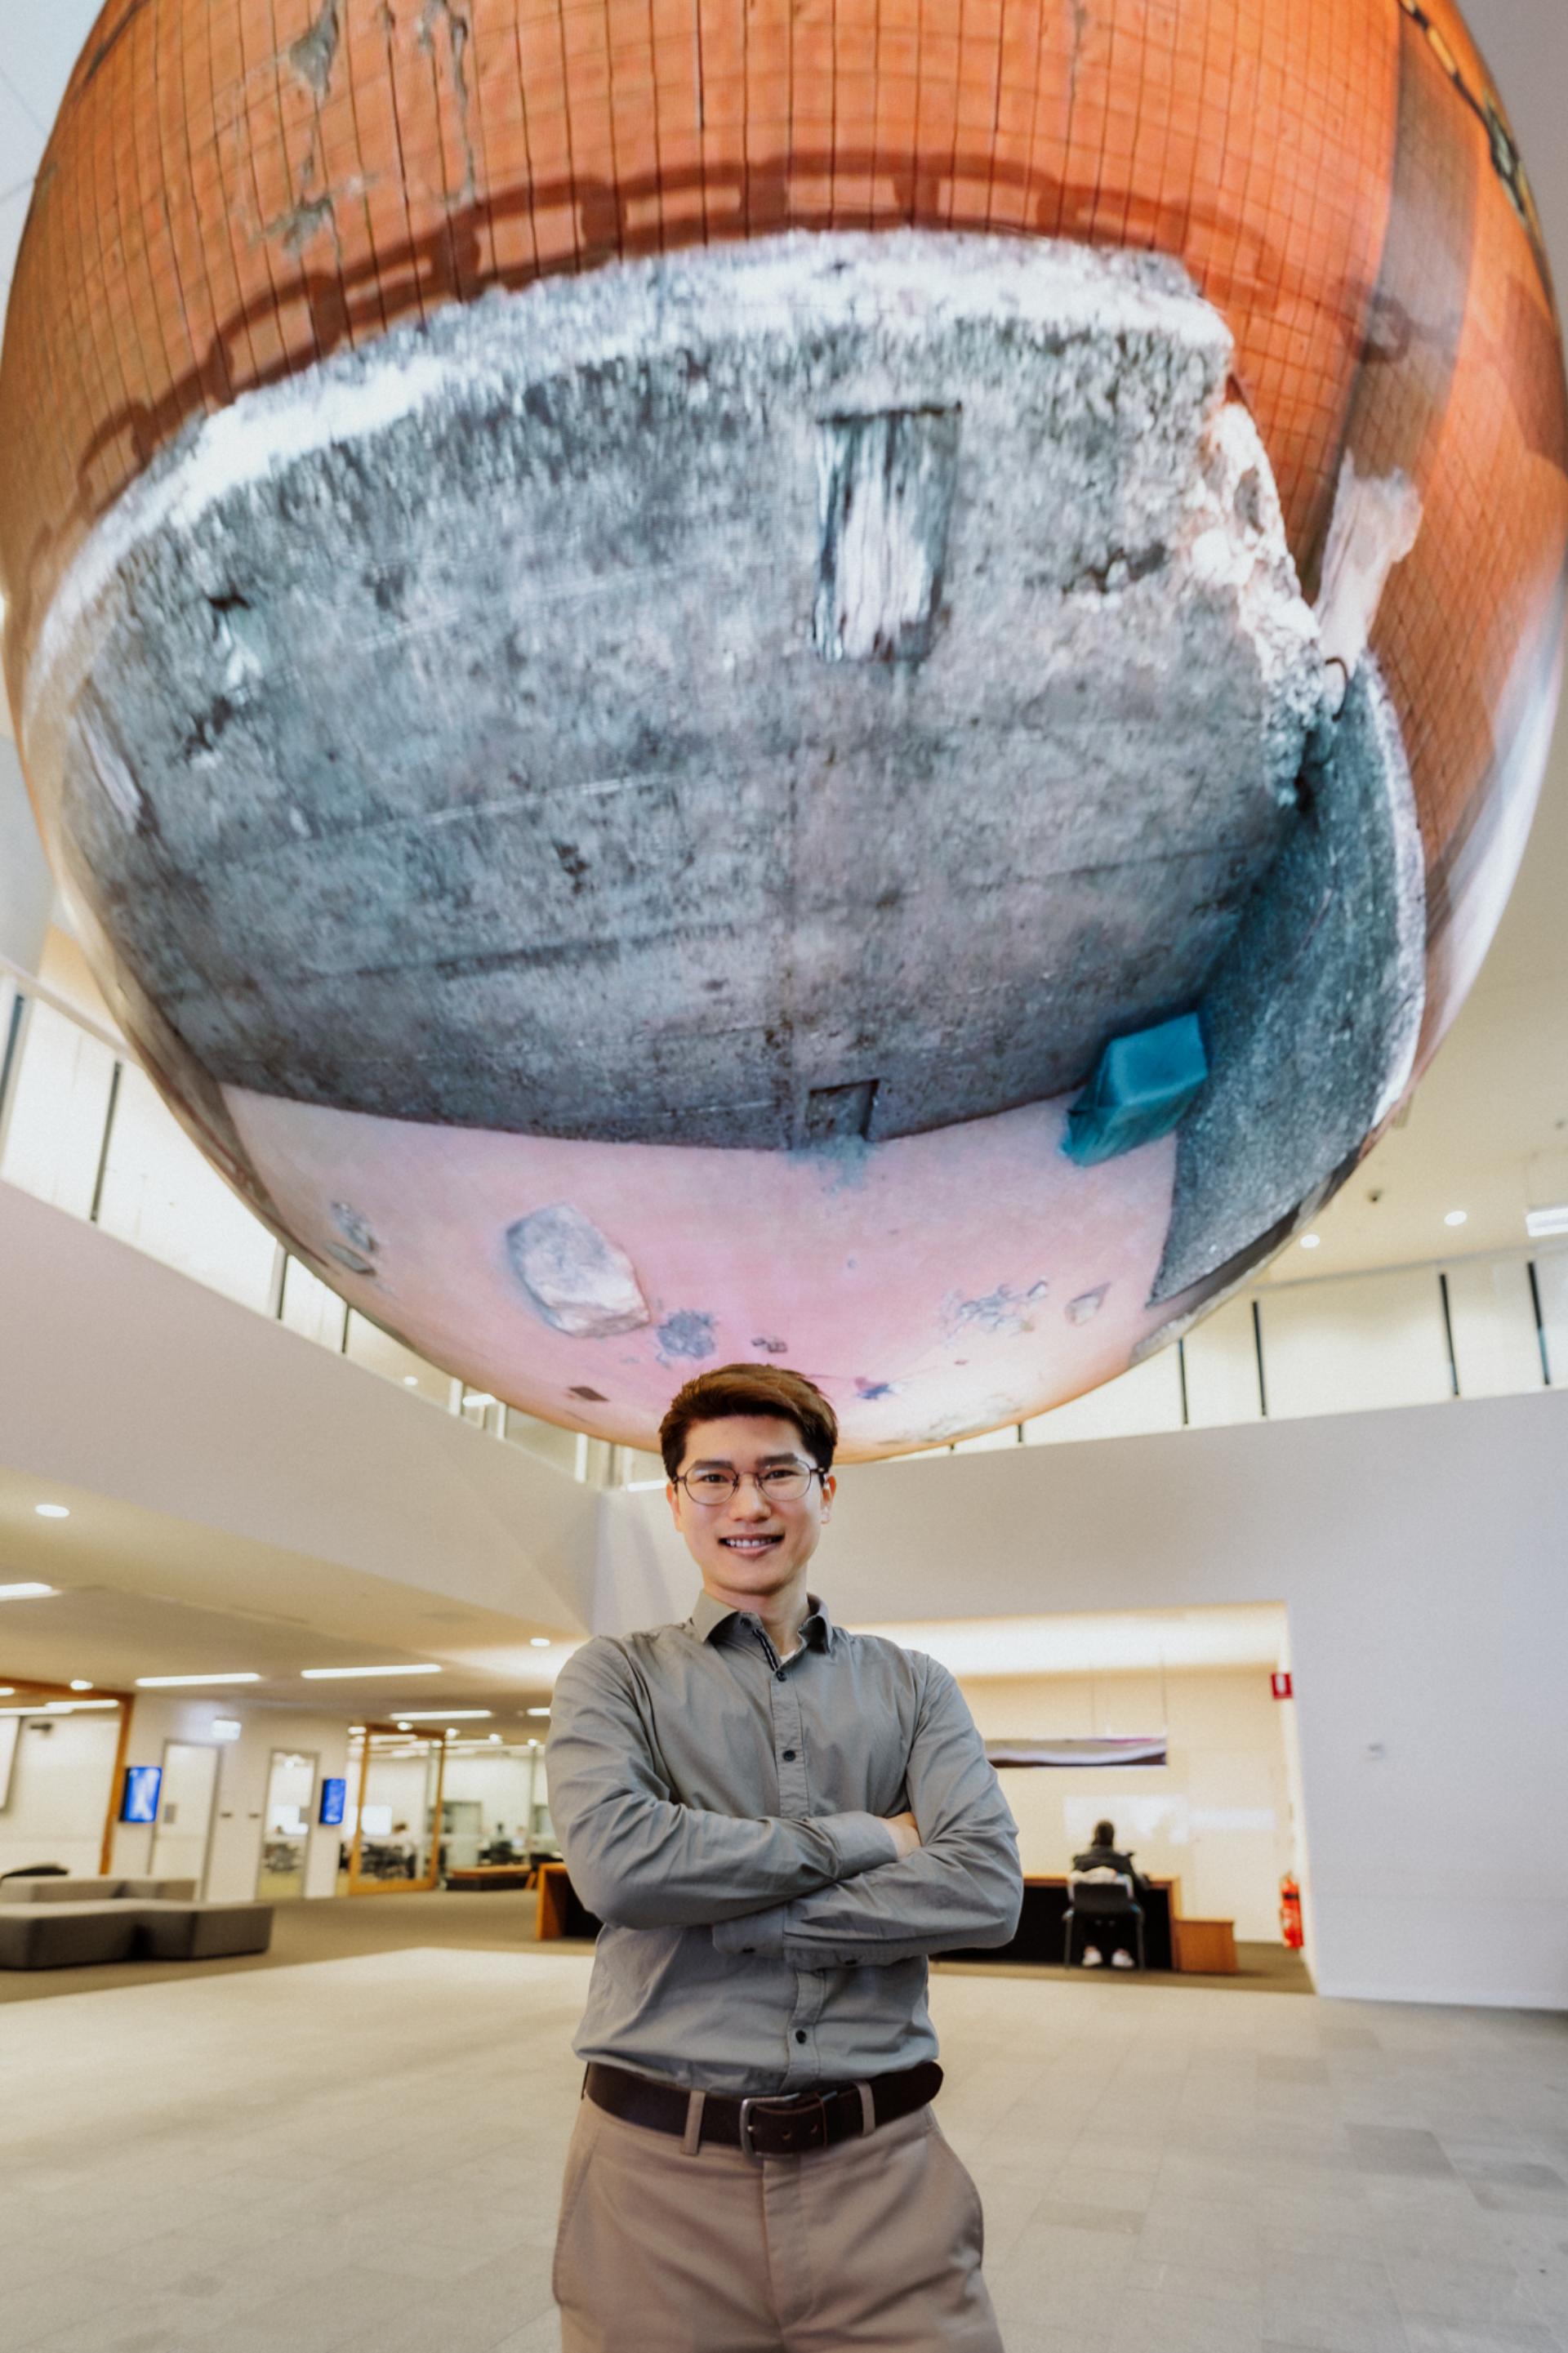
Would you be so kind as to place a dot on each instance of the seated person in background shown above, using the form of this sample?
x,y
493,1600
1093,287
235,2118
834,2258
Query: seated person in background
x,y
1105,1855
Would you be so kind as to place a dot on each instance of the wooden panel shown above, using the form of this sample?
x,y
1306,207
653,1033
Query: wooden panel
x,y
1205,1948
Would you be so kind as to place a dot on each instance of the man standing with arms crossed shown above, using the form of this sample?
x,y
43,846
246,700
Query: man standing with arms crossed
x,y
777,1823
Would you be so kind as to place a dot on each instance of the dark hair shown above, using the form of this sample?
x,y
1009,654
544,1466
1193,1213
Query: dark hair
x,y
758,1390
1105,1834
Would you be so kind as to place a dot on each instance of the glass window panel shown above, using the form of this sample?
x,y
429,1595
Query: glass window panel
x,y
545,1439
10,1041
1221,1356
1495,1345
160,1193
1146,1399
1552,1283
59,1102
310,1308
379,1352
639,1470
1349,1347
398,1834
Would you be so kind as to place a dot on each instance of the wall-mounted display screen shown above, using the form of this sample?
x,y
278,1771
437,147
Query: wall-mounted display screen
x,y
139,1799
1074,1752
334,1793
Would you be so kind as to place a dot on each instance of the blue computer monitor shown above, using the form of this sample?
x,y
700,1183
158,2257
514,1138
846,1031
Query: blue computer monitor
x,y
139,1799
335,1791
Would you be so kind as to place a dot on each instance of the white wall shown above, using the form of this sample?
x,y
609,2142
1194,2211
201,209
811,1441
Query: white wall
x,y
1216,1815
265,1423
59,1791
234,1856
1420,1555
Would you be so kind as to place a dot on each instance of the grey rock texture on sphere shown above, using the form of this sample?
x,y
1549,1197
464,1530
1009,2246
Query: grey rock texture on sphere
x,y
575,1279
447,732
1311,1018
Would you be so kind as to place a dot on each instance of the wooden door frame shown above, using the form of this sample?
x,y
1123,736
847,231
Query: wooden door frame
x,y
432,1880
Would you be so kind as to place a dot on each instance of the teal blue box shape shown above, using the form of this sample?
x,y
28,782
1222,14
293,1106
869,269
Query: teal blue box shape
x,y
1143,1085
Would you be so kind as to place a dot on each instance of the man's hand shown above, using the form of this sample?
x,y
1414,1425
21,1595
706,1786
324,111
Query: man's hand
x,y
906,1835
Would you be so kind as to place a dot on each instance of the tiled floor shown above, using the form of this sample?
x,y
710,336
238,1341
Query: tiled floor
x,y
360,2156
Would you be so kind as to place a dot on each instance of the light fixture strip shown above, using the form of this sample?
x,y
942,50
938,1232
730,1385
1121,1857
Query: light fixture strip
x,y
346,1674
175,1682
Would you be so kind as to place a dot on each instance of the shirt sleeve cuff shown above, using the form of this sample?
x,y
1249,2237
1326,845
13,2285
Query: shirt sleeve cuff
x,y
861,1841
756,1932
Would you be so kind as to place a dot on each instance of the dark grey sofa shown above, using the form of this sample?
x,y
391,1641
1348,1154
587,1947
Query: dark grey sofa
x,y
62,1922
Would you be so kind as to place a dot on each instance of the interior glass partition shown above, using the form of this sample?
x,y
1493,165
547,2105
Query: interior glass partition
x,y
286,1825
392,1829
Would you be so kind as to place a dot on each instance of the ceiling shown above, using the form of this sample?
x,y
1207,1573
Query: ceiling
x,y
140,1593
1489,1130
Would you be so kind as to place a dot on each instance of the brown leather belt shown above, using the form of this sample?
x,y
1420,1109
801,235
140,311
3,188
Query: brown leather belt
x,y
785,2124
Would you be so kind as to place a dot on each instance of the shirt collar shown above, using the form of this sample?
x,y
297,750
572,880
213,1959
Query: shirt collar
x,y
712,1620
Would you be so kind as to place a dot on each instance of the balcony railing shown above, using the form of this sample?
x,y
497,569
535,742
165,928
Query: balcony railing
x,y
80,1126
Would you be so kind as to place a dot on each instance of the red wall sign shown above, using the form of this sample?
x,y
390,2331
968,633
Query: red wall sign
x,y
1280,1686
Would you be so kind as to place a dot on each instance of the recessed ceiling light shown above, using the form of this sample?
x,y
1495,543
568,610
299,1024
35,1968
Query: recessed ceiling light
x,y
52,1511
402,1725
1311,1241
533,1743
78,1684
410,1380
480,1397
25,1592
6,1690
168,1682
539,1711
1540,1223
1458,1217
74,1706
493,1735
343,1674
226,1727
539,1641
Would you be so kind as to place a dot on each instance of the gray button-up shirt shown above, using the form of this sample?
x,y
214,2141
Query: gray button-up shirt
x,y
721,1811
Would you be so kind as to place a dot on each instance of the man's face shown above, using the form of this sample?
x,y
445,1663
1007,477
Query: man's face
x,y
750,1544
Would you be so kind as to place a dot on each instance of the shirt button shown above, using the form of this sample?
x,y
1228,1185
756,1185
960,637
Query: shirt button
x,y
800,2034
789,1757
780,1677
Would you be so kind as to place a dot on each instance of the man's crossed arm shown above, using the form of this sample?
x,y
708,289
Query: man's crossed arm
x,y
830,1891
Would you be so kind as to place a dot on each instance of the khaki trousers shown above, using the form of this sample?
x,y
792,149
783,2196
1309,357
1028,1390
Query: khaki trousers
x,y
875,2242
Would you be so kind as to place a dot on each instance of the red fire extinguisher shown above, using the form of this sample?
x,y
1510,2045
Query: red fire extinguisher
x,y
1291,1912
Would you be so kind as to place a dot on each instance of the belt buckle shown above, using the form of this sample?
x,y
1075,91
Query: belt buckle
x,y
775,2100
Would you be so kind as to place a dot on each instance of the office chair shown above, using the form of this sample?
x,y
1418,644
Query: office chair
x,y
1102,1894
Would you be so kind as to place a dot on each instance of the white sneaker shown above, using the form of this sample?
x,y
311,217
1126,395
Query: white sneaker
x,y
1123,1961
1093,1958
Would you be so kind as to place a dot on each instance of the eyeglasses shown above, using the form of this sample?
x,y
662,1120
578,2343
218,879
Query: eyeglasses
x,y
778,1482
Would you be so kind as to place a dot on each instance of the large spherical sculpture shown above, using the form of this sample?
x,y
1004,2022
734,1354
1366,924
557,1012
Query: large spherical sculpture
x,y
857,682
